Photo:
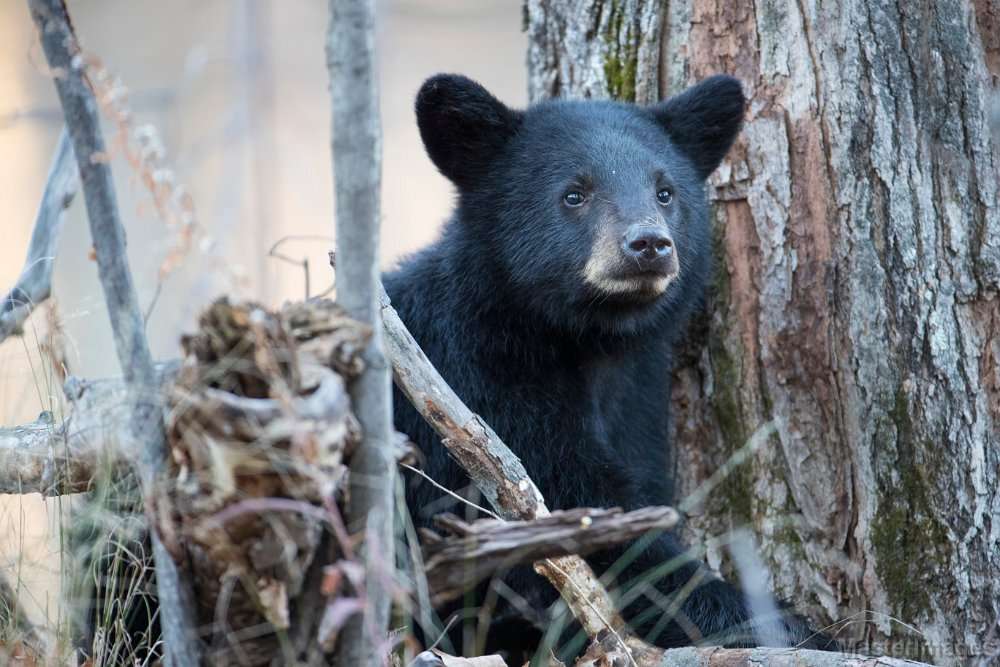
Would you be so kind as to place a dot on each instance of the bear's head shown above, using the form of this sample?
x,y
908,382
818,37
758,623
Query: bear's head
x,y
592,213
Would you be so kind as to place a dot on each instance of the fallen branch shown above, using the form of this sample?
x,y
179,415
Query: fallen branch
x,y
475,551
63,54
34,285
40,457
491,465
53,458
605,654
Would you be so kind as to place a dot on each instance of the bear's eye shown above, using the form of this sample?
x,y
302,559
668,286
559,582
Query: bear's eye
x,y
664,196
574,199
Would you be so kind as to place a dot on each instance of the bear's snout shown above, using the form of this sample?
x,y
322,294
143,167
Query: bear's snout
x,y
650,249
647,245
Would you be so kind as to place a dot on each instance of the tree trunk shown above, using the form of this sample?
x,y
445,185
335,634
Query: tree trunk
x,y
856,297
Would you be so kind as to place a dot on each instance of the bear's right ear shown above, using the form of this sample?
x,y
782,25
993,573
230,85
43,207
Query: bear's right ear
x,y
463,126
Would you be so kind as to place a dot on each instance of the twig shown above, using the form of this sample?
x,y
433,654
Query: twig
x,y
350,58
35,282
451,493
304,262
152,303
82,119
493,468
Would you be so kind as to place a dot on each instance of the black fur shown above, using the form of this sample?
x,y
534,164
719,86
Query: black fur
x,y
462,124
576,382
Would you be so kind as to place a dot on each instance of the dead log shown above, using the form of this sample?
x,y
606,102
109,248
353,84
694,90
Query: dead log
x,y
606,653
42,457
472,552
54,458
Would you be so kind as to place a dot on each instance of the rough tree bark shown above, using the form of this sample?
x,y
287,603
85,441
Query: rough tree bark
x,y
856,297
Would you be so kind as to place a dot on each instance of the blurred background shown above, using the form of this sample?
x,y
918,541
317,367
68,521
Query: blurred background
x,y
237,93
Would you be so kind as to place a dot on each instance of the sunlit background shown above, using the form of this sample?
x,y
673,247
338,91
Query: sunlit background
x,y
237,93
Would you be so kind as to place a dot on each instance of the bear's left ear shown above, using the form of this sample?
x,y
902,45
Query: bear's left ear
x,y
463,127
704,120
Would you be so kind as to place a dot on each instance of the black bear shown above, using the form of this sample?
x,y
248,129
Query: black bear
x,y
577,251
551,303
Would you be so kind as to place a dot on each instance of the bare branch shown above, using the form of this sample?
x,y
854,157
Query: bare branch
x,y
494,469
146,423
357,155
475,551
34,285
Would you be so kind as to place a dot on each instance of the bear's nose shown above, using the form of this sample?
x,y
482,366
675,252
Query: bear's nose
x,y
648,243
